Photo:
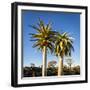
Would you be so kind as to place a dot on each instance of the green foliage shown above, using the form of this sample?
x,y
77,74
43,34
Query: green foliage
x,y
71,71
52,71
63,44
52,64
44,36
32,71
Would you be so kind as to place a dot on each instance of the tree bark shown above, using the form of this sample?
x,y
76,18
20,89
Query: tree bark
x,y
70,69
44,66
60,66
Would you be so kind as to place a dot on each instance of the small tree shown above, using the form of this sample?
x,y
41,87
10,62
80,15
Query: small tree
x,y
69,61
52,64
32,65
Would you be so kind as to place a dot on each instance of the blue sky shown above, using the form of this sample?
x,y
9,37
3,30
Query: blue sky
x,y
61,22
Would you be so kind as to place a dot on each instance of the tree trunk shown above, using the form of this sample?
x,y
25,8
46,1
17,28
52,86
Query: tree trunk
x,y
70,69
60,66
44,66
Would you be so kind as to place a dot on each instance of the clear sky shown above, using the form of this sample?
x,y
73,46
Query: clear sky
x,y
61,22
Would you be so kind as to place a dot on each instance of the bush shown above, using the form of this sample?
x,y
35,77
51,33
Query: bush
x,y
51,71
